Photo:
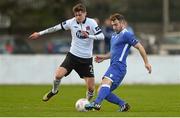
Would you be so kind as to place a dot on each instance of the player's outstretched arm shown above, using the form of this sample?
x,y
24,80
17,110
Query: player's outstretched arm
x,y
144,56
34,36
101,58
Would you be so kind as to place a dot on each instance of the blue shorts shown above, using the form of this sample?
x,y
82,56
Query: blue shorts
x,y
115,73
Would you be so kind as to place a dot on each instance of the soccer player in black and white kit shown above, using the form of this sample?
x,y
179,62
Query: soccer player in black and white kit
x,y
84,31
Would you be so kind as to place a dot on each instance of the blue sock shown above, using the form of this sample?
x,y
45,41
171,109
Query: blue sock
x,y
103,92
114,99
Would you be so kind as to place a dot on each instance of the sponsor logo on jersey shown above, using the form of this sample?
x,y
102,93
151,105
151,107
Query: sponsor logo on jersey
x,y
80,35
75,26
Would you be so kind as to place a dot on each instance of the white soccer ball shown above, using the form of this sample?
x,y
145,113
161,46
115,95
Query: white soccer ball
x,y
80,104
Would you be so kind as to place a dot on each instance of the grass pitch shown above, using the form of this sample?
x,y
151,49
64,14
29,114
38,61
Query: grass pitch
x,y
145,100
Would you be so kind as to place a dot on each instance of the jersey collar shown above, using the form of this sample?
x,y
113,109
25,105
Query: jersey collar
x,y
83,21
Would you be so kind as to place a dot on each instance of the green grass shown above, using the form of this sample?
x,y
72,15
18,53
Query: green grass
x,y
145,100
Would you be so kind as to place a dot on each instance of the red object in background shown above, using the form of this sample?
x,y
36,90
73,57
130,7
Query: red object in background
x,y
9,48
50,48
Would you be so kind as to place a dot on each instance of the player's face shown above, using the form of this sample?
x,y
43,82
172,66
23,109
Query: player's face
x,y
80,16
117,25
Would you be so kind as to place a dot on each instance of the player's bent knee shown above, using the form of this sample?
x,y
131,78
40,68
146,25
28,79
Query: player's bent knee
x,y
58,77
60,73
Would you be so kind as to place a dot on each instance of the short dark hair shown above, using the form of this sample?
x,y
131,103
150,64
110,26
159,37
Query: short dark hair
x,y
117,16
79,7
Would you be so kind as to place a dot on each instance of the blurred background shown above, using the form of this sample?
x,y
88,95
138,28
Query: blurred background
x,y
27,68
156,23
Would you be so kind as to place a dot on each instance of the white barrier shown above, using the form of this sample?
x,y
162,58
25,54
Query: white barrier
x,y
40,69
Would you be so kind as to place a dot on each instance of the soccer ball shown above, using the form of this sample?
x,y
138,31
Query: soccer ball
x,y
80,104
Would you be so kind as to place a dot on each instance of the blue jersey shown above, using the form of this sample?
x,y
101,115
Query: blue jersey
x,y
120,46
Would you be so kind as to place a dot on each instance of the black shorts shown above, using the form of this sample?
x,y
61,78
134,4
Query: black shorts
x,y
82,66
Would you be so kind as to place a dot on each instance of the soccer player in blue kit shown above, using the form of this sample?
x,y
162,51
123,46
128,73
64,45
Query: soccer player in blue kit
x,y
121,41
